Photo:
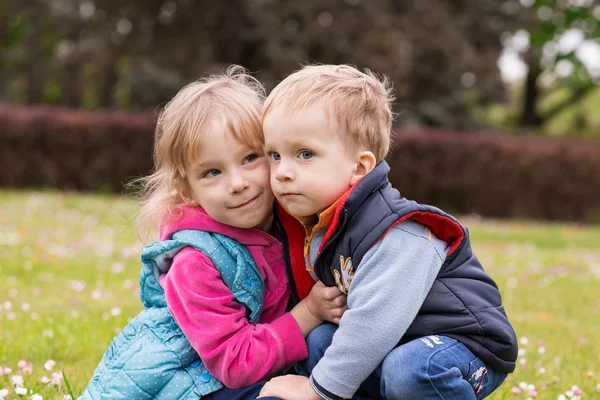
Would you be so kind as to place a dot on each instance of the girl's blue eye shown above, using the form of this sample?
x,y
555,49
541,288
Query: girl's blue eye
x,y
251,158
275,156
306,154
211,173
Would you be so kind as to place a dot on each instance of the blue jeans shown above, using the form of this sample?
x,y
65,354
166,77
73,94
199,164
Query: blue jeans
x,y
245,393
432,367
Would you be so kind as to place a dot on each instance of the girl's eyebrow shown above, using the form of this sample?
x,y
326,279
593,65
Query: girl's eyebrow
x,y
199,165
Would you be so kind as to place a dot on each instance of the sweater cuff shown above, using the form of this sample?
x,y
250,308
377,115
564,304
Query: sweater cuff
x,y
321,391
291,337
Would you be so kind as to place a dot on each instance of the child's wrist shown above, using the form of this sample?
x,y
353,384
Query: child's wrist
x,y
305,318
311,308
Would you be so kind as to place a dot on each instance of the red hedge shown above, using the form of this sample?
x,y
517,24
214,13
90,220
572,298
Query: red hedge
x,y
67,149
486,174
499,176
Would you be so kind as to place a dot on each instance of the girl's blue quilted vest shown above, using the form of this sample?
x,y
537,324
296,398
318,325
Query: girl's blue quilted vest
x,y
151,358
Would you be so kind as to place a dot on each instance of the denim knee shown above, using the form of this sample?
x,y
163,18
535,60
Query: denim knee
x,y
436,367
317,342
403,375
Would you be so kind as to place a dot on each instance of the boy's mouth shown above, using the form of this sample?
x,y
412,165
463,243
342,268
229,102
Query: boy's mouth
x,y
290,195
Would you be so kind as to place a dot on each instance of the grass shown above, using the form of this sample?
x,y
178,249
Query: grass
x,y
69,265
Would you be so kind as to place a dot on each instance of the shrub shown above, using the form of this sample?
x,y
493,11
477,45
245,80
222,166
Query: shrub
x,y
490,175
499,176
67,149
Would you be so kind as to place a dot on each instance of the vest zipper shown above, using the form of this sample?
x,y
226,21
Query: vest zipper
x,y
331,240
307,242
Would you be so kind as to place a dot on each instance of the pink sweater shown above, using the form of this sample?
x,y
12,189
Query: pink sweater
x,y
236,352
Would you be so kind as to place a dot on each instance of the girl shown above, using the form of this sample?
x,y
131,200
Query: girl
x,y
214,288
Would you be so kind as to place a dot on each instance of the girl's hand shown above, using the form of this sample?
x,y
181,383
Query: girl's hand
x,y
326,303
289,387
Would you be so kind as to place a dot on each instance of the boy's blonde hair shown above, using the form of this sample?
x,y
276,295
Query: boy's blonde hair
x,y
234,97
360,102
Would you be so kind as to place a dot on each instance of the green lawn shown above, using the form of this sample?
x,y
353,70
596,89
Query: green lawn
x,y
69,265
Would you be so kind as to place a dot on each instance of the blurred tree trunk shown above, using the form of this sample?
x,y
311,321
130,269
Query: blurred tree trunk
x,y
109,76
530,117
35,64
73,88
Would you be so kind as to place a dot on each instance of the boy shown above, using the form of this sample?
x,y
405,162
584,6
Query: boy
x,y
424,320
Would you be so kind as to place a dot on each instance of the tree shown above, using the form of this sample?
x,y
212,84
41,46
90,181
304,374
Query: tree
x,y
547,21
138,54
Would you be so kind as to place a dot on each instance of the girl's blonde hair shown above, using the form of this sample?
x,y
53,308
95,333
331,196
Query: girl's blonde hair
x,y
359,102
234,97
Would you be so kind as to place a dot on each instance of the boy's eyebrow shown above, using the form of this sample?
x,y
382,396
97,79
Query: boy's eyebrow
x,y
296,142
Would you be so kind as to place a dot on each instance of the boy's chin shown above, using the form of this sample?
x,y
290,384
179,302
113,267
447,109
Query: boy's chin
x,y
297,211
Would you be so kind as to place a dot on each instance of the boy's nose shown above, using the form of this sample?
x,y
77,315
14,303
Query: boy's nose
x,y
284,173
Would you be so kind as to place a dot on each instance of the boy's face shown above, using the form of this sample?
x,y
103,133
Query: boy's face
x,y
230,180
310,165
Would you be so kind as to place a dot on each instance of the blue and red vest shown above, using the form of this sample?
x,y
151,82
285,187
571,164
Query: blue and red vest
x,y
464,302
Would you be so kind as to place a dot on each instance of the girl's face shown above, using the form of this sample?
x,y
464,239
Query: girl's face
x,y
230,180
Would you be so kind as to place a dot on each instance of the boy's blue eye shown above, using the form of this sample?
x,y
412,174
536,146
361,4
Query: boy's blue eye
x,y
275,156
306,154
211,173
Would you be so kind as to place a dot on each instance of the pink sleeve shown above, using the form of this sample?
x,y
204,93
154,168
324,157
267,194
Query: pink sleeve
x,y
236,352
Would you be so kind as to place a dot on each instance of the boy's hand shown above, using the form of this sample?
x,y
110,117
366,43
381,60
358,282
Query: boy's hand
x,y
326,303
289,387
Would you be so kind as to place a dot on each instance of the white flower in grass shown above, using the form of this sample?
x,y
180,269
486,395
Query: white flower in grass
x,y
48,365
96,294
21,391
36,397
56,378
562,397
44,379
115,311
117,268
3,393
17,380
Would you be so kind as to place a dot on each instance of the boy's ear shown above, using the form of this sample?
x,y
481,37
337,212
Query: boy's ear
x,y
365,163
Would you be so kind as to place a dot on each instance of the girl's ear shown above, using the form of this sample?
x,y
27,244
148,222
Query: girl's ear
x,y
365,163
184,192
